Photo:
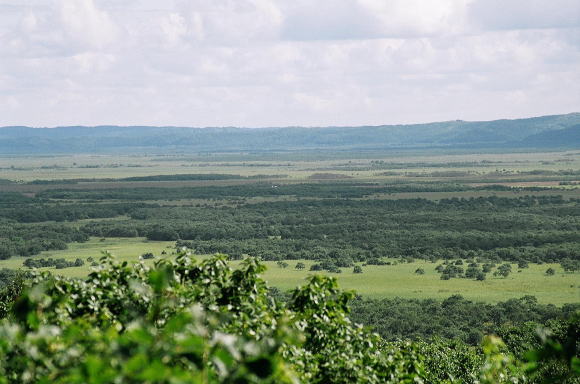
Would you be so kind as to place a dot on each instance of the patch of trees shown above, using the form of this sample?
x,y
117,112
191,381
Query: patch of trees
x,y
376,261
280,249
41,212
198,176
559,172
452,318
31,239
449,270
13,197
177,177
474,270
569,265
59,263
503,270
343,190
115,228
282,264
322,190
382,164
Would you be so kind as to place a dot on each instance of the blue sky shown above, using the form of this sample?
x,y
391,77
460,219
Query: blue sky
x,y
263,63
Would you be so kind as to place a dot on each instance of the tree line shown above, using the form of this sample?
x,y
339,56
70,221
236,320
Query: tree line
x,y
533,229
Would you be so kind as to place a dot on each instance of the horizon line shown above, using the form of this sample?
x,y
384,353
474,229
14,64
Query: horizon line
x,y
287,126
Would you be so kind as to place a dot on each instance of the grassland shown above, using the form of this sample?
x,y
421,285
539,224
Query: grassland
x,y
299,166
124,249
526,169
397,280
401,281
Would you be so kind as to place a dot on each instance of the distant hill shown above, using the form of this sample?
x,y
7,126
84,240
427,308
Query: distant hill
x,y
567,137
558,131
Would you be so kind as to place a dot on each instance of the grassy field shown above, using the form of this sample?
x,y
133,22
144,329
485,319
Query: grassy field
x,y
124,249
375,281
401,281
297,166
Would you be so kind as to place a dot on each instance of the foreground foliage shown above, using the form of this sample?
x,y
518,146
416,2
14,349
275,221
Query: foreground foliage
x,y
189,322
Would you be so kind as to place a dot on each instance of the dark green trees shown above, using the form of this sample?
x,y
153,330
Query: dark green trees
x,y
570,265
503,270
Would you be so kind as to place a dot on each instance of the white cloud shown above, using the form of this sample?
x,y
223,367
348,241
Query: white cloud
x,y
86,24
92,62
174,28
265,63
230,22
525,14
348,19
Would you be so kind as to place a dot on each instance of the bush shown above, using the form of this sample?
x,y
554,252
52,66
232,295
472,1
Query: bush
x,y
187,322
503,270
181,321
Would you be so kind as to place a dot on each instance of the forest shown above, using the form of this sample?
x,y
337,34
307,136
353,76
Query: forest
x,y
342,230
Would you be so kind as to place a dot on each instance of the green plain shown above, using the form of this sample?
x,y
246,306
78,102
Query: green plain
x,y
376,281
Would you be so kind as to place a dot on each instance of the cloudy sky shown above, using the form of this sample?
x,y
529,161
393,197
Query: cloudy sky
x,y
285,62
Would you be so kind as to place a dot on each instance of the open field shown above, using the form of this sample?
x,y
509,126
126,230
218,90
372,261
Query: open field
x,y
375,281
553,173
300,165
401,281
124,249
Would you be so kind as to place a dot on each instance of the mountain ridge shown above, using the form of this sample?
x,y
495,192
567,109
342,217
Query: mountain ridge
x,y
448,134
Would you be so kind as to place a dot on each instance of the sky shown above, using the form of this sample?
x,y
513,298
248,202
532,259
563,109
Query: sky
x,y
260,63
